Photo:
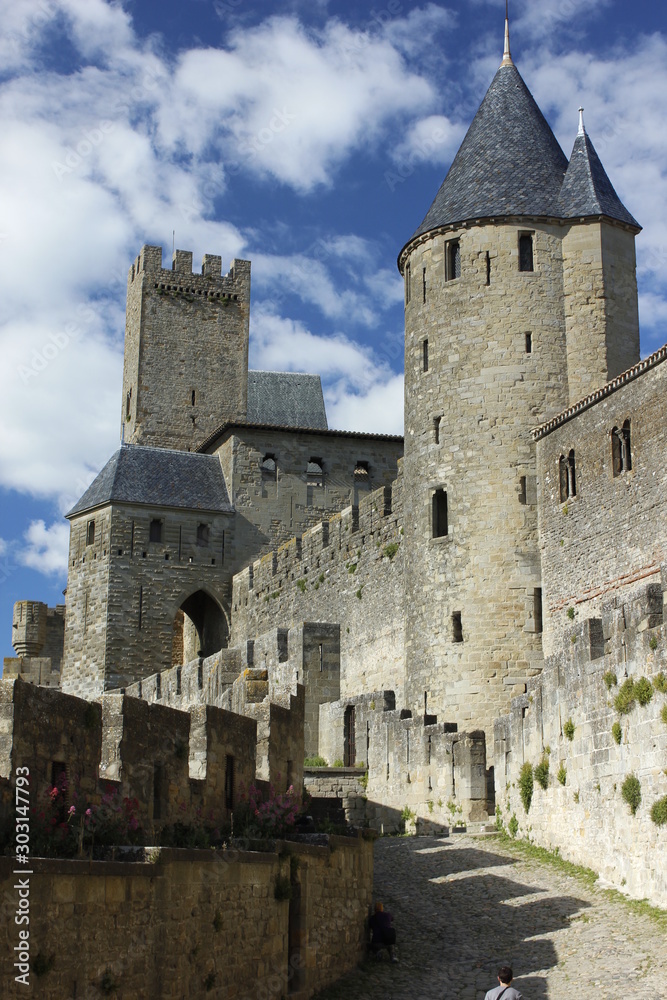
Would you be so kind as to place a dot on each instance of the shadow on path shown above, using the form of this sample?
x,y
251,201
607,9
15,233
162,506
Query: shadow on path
x,y
459,912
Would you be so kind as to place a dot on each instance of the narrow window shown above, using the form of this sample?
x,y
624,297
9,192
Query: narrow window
x,y
522,490
178,680
452,260
321,651
314,481
525,251
158,686
488,268
203,535
436,429
571,475
457,627
155,532
425,355
537,608
90,533
193,398
229,781
423,284
407,283
269,469
128,405
200,675
361,470
620,449
562,478
141,604
529,343
439,514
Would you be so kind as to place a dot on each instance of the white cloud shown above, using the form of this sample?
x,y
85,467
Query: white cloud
x,y
434,139
361,390
3,546
47,548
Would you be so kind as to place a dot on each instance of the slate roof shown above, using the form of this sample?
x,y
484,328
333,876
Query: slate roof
x,y
587,190
510,163
158,477
286,399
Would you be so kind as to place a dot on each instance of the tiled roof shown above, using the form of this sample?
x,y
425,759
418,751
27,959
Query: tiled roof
x,y
509,163
587,190
158,477
287,399
657,358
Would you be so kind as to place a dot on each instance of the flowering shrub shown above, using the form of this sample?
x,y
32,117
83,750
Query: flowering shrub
x,y
62,831
272,816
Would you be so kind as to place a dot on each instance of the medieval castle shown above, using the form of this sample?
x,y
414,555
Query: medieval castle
x,y
441,609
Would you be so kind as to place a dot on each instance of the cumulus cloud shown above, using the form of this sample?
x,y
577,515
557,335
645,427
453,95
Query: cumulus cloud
x,y
434,139
47,548
361,391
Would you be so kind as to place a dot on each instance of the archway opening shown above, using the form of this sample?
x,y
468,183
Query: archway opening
x,y
200,629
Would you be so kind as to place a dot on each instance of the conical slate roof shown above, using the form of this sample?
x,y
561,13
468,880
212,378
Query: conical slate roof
x,y
509,163
587,190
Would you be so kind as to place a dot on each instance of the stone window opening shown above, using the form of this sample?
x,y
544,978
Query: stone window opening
x,y
424,284
526,252
425,355
229,781
620,449
407,284
361,469
349,749
321,655
457,627
439,515
488,268
128,405
529,342
269,468
178,680
537,608
436,429
155,530
314,480
193,397
567,478
452,260
522,490
90,533
158,687
203,535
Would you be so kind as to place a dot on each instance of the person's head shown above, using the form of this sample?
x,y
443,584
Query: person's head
x,y
505,975
379,907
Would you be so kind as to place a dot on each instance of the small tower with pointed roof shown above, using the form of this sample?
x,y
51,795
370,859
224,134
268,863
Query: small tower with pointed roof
x,y
519,292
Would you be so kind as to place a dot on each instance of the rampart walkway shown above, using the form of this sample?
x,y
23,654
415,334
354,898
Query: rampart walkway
x,y
463,905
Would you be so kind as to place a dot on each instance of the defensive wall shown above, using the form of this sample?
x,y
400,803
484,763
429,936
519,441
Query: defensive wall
x,y
37,636
346,570
174,763
170,926
570,719
603,530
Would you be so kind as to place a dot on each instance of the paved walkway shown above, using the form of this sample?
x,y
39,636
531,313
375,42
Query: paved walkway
x,y
464,905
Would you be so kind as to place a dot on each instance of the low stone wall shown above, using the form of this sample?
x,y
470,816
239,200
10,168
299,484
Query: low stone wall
x,y
568,718
189,923
344,784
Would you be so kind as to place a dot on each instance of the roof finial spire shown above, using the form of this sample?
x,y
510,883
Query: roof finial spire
x,y
507,58
582,127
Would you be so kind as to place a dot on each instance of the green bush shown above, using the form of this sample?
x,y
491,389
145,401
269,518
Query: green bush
x,y
610,679
643,691
631,791
568,729
315,761
617,732
301,584
390,550
562,774
570,614
513,825
663,714
526,785
660,682
407,814
653,642
624,701
659,811
339,762
542,772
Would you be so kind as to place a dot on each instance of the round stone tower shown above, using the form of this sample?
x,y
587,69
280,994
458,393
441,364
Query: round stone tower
x,y
487,339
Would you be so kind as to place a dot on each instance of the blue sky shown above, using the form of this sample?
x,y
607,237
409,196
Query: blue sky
x,y
308,137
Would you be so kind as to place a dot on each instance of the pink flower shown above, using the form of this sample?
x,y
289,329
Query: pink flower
x,y
72,810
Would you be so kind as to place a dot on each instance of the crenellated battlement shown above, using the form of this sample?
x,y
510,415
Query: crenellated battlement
x,y
169,760
211,283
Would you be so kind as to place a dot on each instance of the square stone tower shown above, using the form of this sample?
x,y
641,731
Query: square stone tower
x,y
186,349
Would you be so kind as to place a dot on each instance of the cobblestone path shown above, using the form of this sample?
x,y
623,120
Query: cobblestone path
x,y
464,905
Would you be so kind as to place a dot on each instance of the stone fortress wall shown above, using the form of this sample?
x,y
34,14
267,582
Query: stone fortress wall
x,y
38,637
568,717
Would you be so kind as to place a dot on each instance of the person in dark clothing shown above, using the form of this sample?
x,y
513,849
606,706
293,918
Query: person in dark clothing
x,y
383,934
504,989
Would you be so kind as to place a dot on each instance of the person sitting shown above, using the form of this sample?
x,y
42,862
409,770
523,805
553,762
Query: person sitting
x,y
383,935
